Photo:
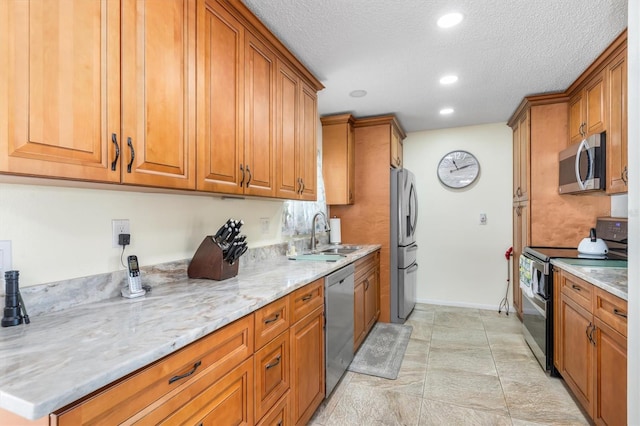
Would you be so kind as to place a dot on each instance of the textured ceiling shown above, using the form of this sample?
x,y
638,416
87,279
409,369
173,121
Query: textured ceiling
x,y
502,51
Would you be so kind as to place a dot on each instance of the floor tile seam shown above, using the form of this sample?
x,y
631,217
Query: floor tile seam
x,y
504,395
374,385
475,408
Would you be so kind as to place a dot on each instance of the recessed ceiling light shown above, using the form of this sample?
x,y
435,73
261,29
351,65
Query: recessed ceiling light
x,y
449,79
358,93
449,20
446,111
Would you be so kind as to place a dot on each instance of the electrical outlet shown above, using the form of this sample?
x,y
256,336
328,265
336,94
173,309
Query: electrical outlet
x,y
483,218
5,257
118,226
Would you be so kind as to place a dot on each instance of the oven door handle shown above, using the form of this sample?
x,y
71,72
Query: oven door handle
x,y
540,266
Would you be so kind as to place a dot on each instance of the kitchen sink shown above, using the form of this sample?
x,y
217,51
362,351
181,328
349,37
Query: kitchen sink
x,y
341,250
597,263
318,257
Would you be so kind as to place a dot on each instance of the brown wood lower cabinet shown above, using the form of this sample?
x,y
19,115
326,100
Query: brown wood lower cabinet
x,y
366,297
223,379
591,333
307,360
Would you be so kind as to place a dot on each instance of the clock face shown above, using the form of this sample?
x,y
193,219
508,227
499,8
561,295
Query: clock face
x,y
458,169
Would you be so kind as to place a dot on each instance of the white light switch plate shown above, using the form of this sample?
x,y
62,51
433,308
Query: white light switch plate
x,y
5,257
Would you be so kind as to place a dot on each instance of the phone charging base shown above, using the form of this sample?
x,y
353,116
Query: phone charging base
x,y
126,293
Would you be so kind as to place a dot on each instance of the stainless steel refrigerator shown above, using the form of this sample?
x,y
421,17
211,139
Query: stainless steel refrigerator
x,y
404,250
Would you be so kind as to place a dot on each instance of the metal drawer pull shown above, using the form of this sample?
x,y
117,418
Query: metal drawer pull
x,y
307,297
248,180
575,287
619,313
270,320
273,364
242,180
187,374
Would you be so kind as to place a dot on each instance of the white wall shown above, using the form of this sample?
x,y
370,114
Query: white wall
x,y
462,262
633,347
62,233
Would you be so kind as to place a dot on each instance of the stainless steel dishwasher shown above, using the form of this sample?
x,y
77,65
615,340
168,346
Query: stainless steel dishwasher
x,y
338,298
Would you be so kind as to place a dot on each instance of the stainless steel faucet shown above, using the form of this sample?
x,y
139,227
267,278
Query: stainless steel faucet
x,y
313,228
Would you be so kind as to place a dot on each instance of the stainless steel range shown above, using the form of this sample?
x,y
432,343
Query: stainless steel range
x,y
537,294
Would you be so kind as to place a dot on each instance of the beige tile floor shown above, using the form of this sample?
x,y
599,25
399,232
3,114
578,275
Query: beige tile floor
x,y
462,367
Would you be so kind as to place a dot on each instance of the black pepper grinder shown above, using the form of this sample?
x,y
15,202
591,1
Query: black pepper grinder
x,y
13,303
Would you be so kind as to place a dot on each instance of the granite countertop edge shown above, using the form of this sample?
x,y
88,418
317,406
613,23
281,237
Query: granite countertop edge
x,y
62,356
613,280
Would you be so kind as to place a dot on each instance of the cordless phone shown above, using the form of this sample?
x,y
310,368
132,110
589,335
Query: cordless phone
x,y
134,289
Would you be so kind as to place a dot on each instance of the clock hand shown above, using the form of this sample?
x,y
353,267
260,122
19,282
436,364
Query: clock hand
x,y
454,163
460,168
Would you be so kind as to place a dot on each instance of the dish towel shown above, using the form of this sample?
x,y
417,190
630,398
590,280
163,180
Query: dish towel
x,y
526,275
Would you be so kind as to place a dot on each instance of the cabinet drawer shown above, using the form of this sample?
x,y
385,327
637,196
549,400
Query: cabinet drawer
x,y
306,299
225,402
271,373
611,310
577,290
212,356
279,415
363,265
271,320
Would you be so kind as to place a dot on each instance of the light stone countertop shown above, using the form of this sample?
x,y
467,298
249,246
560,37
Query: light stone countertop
x,y
65,355
613,280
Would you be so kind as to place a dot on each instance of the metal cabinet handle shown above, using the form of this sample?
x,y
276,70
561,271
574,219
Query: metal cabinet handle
x,y
619,313
133,155
187,374
114,139
575,287
519,211
279,423
307,297
242,180
248,180
518,192
625,176
273,364
581,129
366,284
593,328
587,331
303,186
273,319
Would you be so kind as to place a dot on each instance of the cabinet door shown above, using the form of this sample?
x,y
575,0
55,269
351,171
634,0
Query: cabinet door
x,y
259,134
220,139
595,106
307,360
307,153
159,93
60,85
288,183
577,352
576,118
338,159
358,315
396,149
610,406
371,309
616,144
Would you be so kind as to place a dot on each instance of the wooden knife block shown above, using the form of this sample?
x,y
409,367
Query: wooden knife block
x,y
208,262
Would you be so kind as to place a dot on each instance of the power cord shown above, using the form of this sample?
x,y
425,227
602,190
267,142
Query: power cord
x,y
121,260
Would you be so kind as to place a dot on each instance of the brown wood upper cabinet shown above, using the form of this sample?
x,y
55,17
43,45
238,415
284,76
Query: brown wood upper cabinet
x,y
113,98
397,136
587,109
597,103
296,121
236,149
338,158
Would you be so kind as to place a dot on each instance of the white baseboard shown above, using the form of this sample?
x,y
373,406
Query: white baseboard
x,y
463,304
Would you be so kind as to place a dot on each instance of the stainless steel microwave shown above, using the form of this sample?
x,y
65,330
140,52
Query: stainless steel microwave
x,y
583,165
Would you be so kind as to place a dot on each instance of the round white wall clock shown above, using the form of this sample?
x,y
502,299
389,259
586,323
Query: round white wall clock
x,y
458,169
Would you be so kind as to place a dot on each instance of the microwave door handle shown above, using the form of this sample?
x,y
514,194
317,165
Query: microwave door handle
x,y
583,147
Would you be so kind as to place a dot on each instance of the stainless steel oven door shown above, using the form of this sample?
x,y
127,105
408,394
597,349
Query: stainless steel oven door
x,y
534,326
